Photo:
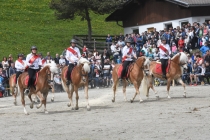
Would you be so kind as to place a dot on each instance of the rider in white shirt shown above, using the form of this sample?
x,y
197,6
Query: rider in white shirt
x,y
33,61
20,65
72,55
165,53
127,54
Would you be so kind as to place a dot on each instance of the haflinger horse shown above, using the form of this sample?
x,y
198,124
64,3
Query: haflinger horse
x,y
135,76
174,72
79,78
41,84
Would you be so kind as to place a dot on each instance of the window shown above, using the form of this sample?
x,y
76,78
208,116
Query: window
x,y
150,29
182,23
168,25
136,31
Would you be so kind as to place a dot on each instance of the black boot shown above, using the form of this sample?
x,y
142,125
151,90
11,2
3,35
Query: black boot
x,y
164,76
68,82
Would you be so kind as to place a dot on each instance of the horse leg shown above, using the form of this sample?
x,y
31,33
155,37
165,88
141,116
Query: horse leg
x,y
70,95
124,90
53,92
156,95
14,94
168,87
136,85
183,84
77,97
115,84
32,102
45,102
86,96
41,100
23,101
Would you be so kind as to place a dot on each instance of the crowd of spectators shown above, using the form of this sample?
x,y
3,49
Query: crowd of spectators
x,y
191,39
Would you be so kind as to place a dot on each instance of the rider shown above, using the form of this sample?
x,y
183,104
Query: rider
x,y
72,55
165,53
127,54
19,65
33,62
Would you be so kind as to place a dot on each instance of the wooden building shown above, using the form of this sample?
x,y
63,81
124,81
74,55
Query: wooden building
x,y
145,15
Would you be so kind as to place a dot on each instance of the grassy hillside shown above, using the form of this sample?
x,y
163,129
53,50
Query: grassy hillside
x,y
24,23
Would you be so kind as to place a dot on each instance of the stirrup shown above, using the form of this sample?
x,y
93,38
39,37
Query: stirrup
x,y
26,91
67,82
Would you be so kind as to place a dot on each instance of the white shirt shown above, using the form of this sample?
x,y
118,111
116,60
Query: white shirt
x,y
36,63
62,61
113,48
125,53
71,57
19,66
163,55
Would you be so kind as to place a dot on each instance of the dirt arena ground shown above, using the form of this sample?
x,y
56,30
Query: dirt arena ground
x,y
177,118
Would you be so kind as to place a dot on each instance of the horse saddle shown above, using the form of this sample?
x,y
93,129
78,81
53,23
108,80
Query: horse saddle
x,y
158,69
35,79
127,70
65,73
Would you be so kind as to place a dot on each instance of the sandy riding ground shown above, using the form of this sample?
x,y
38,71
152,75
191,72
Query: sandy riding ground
x,y
177,118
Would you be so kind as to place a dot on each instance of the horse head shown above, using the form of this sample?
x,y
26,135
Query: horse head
x,y
85,67
180,58
53,66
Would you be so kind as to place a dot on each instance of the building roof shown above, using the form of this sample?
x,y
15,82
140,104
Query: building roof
x,y
120,13
190,3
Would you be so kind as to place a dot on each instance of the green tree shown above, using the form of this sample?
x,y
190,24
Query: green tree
x,y
69,9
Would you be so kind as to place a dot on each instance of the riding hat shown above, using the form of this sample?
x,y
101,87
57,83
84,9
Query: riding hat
x,y
20,55
33,48
73,41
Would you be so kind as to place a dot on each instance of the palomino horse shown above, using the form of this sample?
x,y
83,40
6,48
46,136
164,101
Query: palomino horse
x,y
79,77
13,88
42,86
175,70
135,76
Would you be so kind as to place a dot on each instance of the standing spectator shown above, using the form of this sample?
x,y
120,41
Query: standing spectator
x,y
56,59
10,61
116,53
96,74
12,69
62,61
122,37
115,39
2,89
207,57
139,43
48,57
121,42
180,44
156,54
5,63
174,49
106,73
97,57
108,38
113,47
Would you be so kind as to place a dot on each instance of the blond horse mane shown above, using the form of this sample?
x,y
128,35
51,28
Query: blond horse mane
x,y
182,59
85,63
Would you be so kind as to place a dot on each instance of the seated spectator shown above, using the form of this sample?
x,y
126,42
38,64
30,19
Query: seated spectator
x,y
5,63
199,60
121,42
207,72
121,36
196,71
204,49
150,54
48,57
62,61
202,75
108,38
98,57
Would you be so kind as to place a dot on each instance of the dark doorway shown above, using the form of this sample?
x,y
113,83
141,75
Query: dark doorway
x,y
136,31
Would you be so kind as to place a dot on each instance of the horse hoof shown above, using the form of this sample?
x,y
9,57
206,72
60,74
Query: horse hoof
x,y
76,108
131,101
37,107
52,100
113,100
68,105
184,96
31,106
73,108
169,97
157,97
88,108
141,101
15,103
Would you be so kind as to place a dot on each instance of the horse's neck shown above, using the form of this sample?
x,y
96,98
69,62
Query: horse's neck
x,y
176,59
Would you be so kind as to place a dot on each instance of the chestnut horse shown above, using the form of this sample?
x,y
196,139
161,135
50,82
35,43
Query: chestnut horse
x,y
79,78
42,86
175,71
135,76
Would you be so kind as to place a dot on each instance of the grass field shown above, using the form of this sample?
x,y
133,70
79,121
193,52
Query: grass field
x,y
24,23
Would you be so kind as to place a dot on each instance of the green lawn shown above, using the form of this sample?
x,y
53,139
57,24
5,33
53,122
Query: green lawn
x,y
24,23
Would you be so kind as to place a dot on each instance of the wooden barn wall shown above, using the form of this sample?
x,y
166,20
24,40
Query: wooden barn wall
x,y
153,11
200,11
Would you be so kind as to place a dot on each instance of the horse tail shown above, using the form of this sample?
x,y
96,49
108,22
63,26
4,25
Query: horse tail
x,y
144,85
86,67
